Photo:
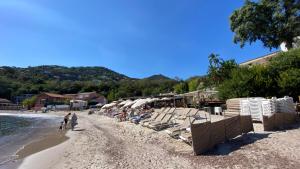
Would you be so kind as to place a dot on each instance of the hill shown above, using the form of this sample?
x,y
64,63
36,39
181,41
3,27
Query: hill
x,y
16,81
158,77
44,73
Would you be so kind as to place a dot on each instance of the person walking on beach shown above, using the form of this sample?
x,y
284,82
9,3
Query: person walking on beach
x,y
66,119
74,121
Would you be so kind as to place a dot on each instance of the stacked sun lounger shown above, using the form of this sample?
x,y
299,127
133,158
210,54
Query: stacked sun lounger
x,y
233,105
259,107
268,107
285,105
256,108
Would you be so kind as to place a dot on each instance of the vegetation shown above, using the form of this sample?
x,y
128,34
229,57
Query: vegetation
x,y
29,102
271,21
57,79
219,69
279,78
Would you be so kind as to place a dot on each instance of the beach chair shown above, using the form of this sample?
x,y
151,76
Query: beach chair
x,y
182,114
186,137
154,116
159,117
164,123
175,131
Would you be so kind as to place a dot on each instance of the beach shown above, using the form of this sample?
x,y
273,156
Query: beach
x,y
102,142
26,133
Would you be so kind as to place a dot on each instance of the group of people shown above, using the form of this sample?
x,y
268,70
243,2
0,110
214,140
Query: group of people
x,y
137,114
73,122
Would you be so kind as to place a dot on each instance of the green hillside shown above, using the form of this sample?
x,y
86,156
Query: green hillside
x,y
16,81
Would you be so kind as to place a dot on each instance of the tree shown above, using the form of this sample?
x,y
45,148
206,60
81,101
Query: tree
x,y
219,69
193,84
182,87
29,102
289,82
270,21
281,77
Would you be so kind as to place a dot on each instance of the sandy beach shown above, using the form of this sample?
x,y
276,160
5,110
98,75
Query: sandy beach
x,y
102,142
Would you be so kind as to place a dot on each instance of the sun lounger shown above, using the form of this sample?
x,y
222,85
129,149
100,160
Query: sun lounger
x,y
158,118
154,115
186,137
182,114
175,131
159,125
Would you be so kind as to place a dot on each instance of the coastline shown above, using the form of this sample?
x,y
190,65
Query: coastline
x,y
49,156
50,140
40,135
102,142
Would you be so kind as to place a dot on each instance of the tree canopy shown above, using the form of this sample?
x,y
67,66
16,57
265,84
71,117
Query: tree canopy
x,y
279,78
270,21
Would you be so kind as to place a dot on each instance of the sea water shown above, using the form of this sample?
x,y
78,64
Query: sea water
x,y
17,130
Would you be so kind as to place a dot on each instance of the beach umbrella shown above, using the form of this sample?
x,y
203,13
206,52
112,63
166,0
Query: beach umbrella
x,y
129,103
166,98
140,103
107,106
124,102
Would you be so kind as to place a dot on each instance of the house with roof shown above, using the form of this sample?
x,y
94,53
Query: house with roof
x,y
4,102
260,60
45,99
91,97
8,105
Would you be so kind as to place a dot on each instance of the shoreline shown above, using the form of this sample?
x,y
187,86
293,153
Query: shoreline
x,y
39,136
49,157
50,140
102,142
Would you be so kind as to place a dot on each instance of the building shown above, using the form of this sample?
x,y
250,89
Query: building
x,y
8,105
202,98
4,102
260,60
92,98
45,99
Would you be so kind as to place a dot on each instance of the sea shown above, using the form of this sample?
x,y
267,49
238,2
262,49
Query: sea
x,y
18,129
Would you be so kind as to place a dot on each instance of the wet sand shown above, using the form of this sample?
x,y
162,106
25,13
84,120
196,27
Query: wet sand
x,y
42,134
46,142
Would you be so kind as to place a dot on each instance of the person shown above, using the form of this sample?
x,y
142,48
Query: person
x,y
123,115
61,126
74,121
66,119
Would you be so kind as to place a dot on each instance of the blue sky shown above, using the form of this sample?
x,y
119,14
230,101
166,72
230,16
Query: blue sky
x,y
137,38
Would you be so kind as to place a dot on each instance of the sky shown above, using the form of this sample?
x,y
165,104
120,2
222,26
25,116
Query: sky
x,y
138,38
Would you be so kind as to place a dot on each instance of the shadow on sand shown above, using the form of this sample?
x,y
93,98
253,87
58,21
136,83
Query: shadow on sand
x,y
236,143
79,130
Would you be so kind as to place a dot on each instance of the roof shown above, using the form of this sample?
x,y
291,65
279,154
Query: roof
x,y
199,92
268,56
88,93
54,95
4,101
